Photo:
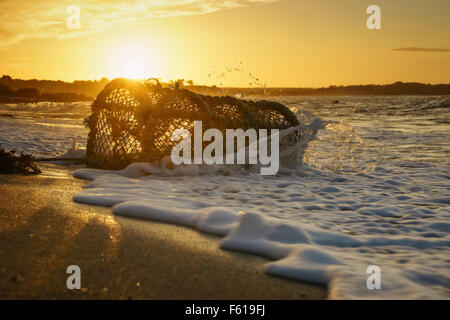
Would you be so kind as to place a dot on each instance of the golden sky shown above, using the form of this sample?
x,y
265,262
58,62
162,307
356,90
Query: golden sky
x,y
290,43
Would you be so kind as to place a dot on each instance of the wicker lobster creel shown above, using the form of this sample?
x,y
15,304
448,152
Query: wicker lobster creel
x,y
132,121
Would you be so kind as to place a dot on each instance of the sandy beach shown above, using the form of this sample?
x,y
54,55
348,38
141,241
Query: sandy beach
x,y
42,232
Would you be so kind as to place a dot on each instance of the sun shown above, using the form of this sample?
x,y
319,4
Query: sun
x,y
132,68
132,61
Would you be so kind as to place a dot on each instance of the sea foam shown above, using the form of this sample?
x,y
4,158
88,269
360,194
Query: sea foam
x,y
313,225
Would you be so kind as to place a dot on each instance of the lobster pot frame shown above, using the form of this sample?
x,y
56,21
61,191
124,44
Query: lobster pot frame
x,y
132,121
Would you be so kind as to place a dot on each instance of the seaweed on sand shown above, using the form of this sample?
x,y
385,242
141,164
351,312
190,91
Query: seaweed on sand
x,y
10,163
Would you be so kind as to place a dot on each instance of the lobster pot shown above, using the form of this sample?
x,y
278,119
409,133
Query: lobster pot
x,y
133,121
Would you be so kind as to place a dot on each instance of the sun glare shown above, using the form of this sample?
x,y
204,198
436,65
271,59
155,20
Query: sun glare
x,y
133,61
132,68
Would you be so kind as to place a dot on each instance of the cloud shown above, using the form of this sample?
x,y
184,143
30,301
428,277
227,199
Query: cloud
x,y
418,49
31,19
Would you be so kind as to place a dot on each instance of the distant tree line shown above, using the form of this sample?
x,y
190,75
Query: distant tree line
x,y
17,90
27,93
397,88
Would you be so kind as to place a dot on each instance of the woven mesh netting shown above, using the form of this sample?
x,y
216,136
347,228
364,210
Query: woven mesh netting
x,y
132,121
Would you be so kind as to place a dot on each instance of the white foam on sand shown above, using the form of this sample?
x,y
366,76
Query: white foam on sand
x,y
314,227
311,223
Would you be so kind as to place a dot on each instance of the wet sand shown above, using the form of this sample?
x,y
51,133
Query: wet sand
x,y
42,232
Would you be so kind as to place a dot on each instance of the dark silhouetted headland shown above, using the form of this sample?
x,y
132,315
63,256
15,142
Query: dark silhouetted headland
x,y
397,88
18,90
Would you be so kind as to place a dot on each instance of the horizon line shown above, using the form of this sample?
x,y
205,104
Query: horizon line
x,y
241,87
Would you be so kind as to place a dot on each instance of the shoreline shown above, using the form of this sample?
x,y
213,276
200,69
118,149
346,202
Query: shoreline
x,y
43,231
